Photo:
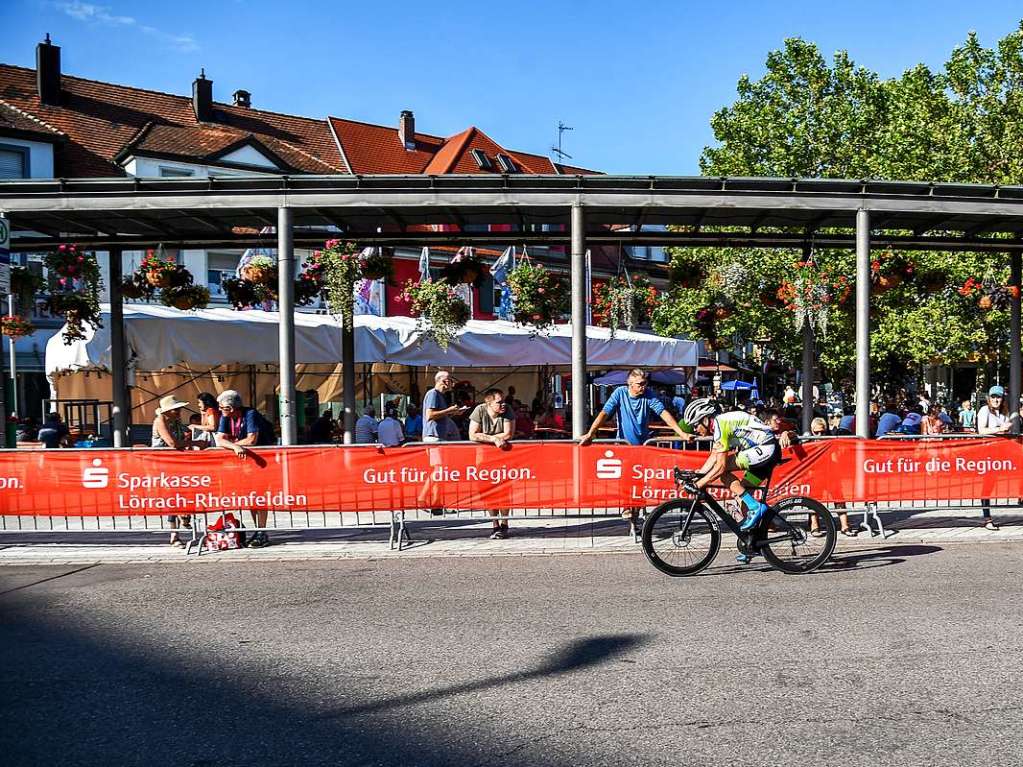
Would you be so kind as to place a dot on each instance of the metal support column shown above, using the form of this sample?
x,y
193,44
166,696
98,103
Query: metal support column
x,y
1015,360
808,359
808,375
14,360
579,288
118,354
863,323
286,311
348,381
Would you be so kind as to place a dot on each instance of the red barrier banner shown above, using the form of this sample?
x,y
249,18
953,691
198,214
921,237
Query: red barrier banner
x,y
527,474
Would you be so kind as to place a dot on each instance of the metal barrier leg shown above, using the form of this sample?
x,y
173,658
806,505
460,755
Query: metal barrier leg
x,y
865,522
392,537
880,525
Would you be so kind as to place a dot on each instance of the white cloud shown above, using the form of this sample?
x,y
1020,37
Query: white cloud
x,y
102,14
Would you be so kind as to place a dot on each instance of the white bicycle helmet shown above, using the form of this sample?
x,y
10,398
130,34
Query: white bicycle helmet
x,y
698,410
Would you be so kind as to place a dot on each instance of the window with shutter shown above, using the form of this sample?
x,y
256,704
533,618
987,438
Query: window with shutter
x,y
13,162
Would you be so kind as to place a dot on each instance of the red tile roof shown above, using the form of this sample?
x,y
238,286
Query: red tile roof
x,y
100,119
15,120
372,148
104,124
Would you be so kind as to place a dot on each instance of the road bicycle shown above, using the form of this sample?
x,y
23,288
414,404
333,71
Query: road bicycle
x,y
682,536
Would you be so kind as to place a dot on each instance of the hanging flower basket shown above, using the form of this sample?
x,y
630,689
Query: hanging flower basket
x,y
812,294
440,310
339,267
891,269
187,298
13,326
260,270
74,290
540,296
686,273
378,266
134,289
24,287
307,290
624,301
464,269
241,294
78,310
158,270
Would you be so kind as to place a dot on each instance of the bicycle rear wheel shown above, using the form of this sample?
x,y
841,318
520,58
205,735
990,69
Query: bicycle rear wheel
x,y
789,546
679,543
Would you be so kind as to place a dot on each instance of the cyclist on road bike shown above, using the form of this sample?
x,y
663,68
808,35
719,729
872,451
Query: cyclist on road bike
x,y
745,449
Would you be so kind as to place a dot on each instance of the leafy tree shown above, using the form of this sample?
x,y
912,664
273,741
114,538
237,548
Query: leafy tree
x,y
813,118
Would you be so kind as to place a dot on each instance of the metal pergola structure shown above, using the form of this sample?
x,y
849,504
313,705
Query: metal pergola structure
x,y
132,213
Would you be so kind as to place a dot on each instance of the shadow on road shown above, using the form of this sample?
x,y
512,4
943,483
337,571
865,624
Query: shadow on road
x,y
880,556
574,656
98,693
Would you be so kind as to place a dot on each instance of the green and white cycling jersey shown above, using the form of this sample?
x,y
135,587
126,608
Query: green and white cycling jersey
x,y
741,431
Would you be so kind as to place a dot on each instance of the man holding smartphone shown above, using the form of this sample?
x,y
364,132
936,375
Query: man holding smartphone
x,y
437,423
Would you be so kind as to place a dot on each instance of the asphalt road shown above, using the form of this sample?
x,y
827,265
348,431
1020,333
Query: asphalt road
x,y
894,656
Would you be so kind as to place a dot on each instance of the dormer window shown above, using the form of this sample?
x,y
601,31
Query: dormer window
x,y
481,159
507,166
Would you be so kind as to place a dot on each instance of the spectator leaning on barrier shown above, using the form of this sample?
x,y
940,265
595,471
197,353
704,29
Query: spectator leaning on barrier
x,y
631,405
492,424
239,428
389,431
890,419
438,425
992,419
209,417
170,431
366,427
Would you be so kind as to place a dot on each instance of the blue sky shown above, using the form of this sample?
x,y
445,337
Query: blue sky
x,y
638,81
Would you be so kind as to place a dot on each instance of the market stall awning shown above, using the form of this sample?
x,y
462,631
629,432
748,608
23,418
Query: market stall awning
x,y
159,337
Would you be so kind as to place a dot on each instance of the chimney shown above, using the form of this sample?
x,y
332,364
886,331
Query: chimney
x,y
407,129
48,72
242,99
202,98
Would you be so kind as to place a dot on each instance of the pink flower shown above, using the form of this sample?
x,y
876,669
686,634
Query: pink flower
x,y
62,247
81,259
63,281
330,244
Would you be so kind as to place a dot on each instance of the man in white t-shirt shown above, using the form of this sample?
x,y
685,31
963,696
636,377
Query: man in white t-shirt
x,y
389,431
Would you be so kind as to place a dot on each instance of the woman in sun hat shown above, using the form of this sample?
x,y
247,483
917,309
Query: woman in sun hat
x,y
170,431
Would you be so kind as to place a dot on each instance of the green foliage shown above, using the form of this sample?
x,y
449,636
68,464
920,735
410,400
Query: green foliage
x,y
440,310
541,297
810,117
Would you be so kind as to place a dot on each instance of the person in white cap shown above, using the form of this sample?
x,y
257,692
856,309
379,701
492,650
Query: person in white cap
x,y
170,431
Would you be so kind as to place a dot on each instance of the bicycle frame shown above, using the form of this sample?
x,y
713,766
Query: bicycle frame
x,y
706,500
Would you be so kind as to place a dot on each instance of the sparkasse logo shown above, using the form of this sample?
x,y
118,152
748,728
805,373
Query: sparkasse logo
x,y
609,467
97,476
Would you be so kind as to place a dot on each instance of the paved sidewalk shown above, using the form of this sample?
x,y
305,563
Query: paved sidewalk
x,y
455,538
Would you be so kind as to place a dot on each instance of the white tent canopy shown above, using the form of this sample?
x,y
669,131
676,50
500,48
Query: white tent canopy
x,y
159,337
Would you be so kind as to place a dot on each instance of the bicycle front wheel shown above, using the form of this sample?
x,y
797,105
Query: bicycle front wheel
x,y
801,535
679,539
